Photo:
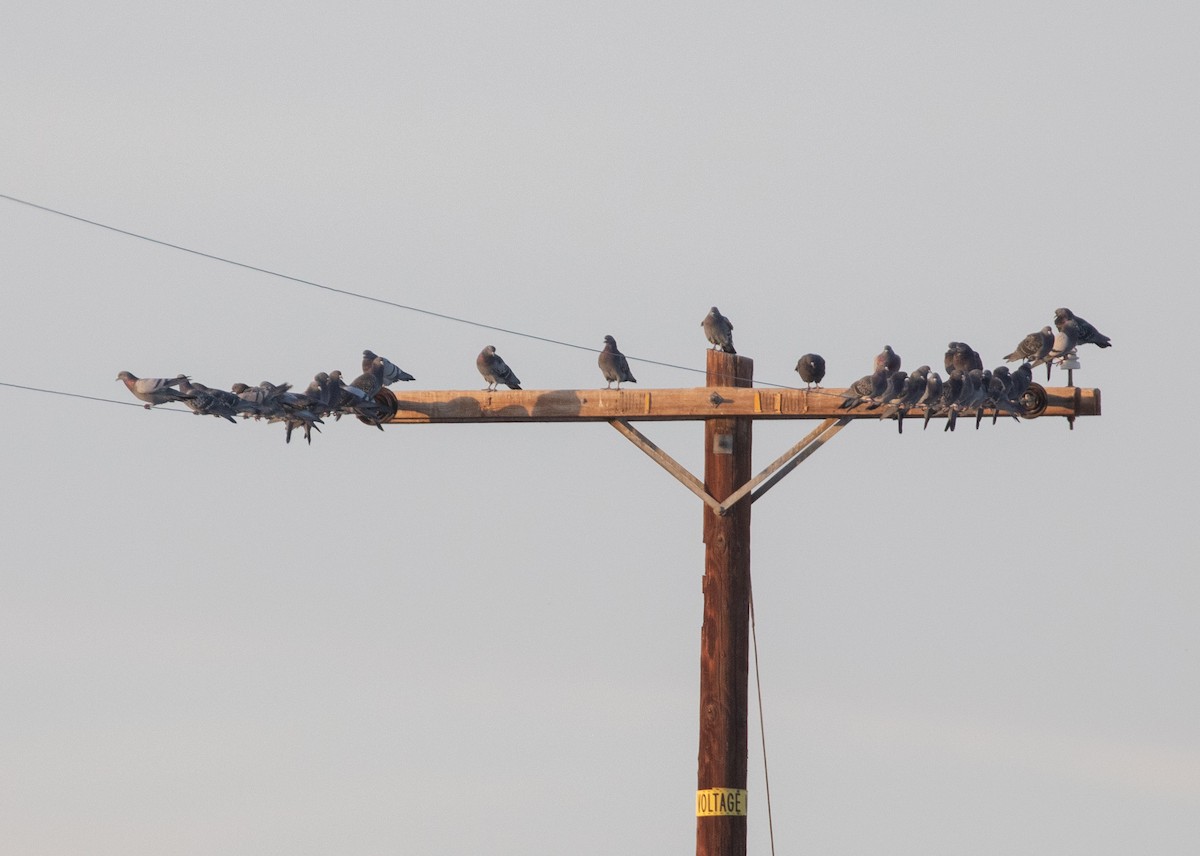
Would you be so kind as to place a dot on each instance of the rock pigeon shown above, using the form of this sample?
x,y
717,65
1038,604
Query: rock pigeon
x,y
888,360
494,370
391,372
963,357
1065,341
931,399
1035,346
719,330
867,387
153,390
811,368
206,401
613,364
911,392
891,390
1088,335
372,378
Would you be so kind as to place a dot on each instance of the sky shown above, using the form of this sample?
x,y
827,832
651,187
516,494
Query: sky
x,y
484,638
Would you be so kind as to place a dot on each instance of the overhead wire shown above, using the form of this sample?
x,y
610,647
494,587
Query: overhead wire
x,y
347,292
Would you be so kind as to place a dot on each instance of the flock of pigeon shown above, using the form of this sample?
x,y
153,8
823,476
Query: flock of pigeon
x,y
968,386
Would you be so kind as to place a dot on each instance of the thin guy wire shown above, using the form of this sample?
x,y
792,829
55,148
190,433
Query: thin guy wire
x,y
348,293
762,731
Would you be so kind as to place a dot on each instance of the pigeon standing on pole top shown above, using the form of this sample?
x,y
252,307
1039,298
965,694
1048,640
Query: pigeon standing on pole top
x,y
811,368
494,370
1088,335
613,364
153,390
718,330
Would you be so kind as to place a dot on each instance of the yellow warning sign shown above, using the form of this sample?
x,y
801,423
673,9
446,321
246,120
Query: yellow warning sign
x,y
721,802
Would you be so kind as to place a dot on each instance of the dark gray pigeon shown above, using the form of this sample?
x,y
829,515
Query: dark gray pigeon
x,y
153,390
206,401
718,330
1088,335
811,368
494,370
1035,346
391,372
613,364
931,399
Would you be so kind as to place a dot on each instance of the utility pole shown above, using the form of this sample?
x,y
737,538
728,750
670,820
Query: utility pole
x,y
728,405
725,634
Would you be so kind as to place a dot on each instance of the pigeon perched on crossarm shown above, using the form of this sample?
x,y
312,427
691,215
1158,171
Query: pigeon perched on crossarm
x,y
719,330
1035,346
811,368
494,370
392,373
613,364
153,390
888,360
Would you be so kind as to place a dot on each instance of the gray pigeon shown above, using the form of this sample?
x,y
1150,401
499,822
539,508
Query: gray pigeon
x,y
613,364
911,392
494,370
391,372
719,330
1035,346
1065,341
153,390
931,399
867,387
1088,335
811,368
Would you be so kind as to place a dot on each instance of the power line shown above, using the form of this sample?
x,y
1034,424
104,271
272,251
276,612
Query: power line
x,y
79,395
345,292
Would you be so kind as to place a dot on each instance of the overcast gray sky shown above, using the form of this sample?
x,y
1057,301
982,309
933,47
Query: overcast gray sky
x,y
485,639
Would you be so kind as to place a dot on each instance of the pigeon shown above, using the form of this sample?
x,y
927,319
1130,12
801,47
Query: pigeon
x,y
932,396
372,378
1065,341
613,364
206,401
153,390
494,370
891,389
391,372
911,392
867,387
1019,383
952,391
1000,396
811,368
719,330
887,360
1035,346
1088,335
963,357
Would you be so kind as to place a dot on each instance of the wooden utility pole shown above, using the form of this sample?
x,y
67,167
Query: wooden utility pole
x,y
725,635
728,406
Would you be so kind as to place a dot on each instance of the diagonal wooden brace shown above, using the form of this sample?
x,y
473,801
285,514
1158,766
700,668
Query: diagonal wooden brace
x,y
779,468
